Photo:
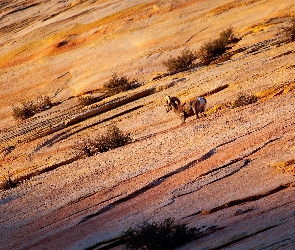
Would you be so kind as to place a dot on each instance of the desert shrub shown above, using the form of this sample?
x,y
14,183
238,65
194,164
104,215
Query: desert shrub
x,y
212,49
119,84
86,100
9,184
30,108
43,103
244,100
228,36
180,63
7,150
113,138
290,30
24,111
164,235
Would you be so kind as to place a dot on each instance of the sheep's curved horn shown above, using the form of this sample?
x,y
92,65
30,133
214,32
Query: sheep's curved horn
x,y
167,99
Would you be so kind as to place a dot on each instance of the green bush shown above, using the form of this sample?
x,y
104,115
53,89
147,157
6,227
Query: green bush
x,y
212,49
119,84
244,100
113,138
290,31
158,236
30,108
180,63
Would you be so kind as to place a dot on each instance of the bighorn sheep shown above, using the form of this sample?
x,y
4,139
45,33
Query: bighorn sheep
x,y
194,107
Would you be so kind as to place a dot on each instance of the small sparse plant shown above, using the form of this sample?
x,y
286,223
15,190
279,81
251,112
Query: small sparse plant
x,y
228,36
86,100
43,103
30,108
244,100
113,138
7,150
164,235
212,49
9,184
290,30
119,84
182,62
24,111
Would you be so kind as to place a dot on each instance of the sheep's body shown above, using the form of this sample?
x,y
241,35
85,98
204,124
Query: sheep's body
x,y
194,107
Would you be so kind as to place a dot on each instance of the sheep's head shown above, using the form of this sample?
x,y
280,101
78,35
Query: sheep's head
x,y
171,102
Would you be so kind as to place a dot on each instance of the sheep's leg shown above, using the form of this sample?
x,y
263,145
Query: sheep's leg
x,y
196,110
204,108
182,116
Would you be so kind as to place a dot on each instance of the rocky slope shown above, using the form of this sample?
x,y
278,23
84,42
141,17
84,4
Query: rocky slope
x,y
229,173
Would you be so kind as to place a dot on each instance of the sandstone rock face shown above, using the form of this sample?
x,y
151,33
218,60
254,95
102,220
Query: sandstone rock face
x,y
229,173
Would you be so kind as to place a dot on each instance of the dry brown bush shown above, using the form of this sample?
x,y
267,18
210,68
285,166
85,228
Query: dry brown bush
x,y
212,49
290,30
86,100
180,63
244,100
30,108
119,84
113,138
158,235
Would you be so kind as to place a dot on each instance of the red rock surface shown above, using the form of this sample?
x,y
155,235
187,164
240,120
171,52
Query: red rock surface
x,y
230,173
